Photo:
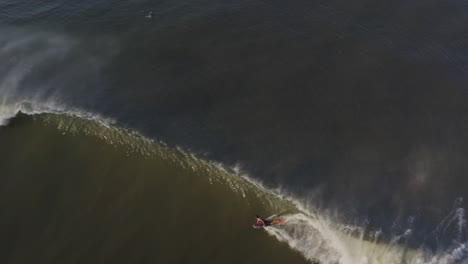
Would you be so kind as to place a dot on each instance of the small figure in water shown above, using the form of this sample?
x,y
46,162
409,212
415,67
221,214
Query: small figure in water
x,y
263,222
150,15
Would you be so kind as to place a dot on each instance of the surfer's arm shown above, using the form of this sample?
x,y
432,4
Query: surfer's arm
x,y
260,221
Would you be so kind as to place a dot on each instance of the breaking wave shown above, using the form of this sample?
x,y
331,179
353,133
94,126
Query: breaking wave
x,y
319,235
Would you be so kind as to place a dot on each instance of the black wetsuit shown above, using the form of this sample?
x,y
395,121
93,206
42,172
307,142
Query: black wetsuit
x,y
267,223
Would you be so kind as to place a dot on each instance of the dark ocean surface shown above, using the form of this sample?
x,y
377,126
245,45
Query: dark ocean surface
x,y
136,138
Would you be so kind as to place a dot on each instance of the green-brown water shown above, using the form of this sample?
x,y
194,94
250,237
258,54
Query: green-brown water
x,y
75,191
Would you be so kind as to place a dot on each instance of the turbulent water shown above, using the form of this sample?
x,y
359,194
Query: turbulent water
x,y
154,131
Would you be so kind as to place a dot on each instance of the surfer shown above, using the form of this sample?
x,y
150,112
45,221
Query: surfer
x,y
150,15
263,223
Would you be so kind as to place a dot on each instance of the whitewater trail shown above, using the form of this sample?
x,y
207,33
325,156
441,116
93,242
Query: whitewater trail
x,y
321,240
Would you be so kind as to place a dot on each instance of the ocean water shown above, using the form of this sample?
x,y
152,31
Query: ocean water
x,y
129,138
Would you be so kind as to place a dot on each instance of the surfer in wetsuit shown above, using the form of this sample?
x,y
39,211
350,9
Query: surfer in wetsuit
x,y
263,222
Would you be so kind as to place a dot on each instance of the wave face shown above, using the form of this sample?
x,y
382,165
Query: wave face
x,y
92,192
78,191
356,112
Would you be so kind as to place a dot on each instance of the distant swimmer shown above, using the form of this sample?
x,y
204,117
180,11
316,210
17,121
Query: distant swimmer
x,y
265,222
150,14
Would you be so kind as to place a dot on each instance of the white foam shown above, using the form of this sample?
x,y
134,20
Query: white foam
x,y
9,111
318,239
320,236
